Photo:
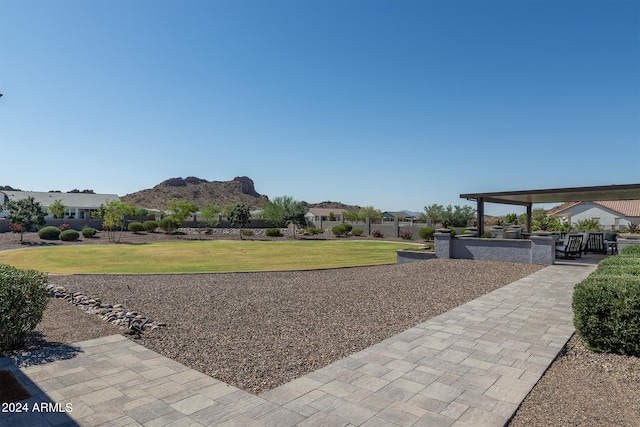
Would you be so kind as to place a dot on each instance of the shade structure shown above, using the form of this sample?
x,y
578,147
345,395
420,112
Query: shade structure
x,y
554,195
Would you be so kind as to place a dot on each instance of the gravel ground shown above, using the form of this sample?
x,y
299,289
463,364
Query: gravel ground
x,y
258,330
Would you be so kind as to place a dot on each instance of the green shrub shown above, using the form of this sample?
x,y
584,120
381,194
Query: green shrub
x,y
246,232
169,225
150,226
135,227
273,232
631,250
607,313
341,229
357,232
69,235
89,232
312,231
606,306
23,299
426,233
49,233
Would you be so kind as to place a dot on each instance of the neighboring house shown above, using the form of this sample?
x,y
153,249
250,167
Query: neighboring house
x,y
78,205
401,216
611,215
316,214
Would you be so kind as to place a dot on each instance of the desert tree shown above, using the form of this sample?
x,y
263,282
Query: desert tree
x,y
239,216
456,216
24,214
112,213
210,214
57,208
284,211
369,212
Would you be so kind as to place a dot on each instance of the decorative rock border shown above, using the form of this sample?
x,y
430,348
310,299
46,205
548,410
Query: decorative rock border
x,y
129,322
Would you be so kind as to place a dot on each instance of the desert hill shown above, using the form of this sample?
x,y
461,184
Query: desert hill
x,y
200,191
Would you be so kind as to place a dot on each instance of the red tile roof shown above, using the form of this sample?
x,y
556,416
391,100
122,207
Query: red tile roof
x,y
627,208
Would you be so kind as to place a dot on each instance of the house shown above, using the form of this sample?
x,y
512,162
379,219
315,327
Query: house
x,y
611,215
78,205
401,215
317,214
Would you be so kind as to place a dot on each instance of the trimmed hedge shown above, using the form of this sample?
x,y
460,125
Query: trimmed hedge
x,y
89,232
341,230
150,226
23,299
606,306
69,235
135,226
49,233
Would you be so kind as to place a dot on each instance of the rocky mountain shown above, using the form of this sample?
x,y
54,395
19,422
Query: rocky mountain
x,y
200,191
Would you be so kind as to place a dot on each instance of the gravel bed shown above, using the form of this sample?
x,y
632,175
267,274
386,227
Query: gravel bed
x,y
584,388
257,331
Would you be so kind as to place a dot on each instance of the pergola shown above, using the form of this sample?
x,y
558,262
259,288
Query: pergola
x,y
555,195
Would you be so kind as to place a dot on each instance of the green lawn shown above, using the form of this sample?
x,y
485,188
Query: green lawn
x,y
198,256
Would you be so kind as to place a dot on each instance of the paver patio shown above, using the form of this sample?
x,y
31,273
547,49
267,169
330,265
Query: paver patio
x,y
471,366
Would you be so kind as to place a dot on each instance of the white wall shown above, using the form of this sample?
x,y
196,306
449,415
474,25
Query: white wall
x,y
588,210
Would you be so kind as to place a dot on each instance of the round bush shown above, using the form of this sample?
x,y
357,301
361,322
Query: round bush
x,y
357,232
23,298
49,233
338,230
169,225
273,232
135,226
150,226
69,235
89,232
606,312
426,233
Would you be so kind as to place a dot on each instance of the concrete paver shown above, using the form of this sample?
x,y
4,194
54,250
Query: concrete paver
x,y
472,365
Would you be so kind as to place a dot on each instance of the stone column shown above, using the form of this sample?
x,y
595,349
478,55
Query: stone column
x,y
442,244
543,250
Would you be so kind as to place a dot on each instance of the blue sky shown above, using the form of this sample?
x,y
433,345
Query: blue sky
x,y
395,104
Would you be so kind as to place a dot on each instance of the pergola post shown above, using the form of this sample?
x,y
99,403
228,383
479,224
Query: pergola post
x,y
480,201
529,212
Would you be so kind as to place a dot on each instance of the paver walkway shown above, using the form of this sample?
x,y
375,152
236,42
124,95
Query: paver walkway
x,y
471,366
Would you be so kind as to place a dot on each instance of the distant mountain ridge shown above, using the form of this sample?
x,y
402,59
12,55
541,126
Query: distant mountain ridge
x,y
240,189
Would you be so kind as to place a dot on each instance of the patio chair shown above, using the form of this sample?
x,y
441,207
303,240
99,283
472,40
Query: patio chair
x,y
571,248
610,241
596,243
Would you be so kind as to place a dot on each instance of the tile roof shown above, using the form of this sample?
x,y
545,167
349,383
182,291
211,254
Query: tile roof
x,y
627,208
